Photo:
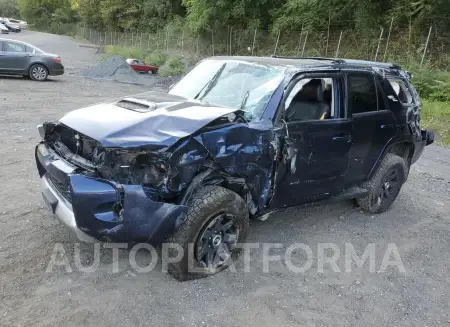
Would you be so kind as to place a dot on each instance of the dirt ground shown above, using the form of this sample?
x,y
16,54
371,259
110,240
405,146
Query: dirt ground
x,y
418,223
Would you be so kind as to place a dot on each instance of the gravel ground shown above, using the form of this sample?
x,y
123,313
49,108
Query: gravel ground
x,y
418,224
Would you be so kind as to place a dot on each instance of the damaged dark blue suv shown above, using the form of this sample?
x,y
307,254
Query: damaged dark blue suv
x,y
236,138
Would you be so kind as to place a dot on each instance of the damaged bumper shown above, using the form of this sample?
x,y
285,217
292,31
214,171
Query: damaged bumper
x,y
427,138
99,210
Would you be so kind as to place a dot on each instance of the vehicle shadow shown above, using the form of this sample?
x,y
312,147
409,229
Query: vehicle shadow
x,y
26,78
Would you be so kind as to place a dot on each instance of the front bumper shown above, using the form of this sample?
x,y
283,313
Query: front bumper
x,y
62,209
99,210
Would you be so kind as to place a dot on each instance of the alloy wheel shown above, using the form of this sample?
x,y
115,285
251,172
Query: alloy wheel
x,y
390,187
39,73
217,241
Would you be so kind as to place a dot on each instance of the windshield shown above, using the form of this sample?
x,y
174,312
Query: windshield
x,y
232,84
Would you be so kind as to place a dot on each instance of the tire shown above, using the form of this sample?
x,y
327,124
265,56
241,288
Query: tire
x,y
208,208
38,72
385,185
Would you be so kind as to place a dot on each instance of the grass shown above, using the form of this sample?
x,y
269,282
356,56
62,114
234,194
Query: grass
x,y
436,117
127,52
169,64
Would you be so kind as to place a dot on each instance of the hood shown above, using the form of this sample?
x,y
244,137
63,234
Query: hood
x,y
151,119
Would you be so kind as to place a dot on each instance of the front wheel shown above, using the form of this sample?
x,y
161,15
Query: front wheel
x,y
38,72
216,222
385,185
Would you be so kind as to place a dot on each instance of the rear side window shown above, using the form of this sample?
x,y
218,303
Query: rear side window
x,y
401,90
30,49
362,93
14,47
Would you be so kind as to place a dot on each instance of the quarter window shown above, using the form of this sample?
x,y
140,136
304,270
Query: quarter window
x,y
362,93
401,90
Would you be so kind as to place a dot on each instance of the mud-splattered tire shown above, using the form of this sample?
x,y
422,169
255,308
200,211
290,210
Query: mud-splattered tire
x,y
209,209
385,184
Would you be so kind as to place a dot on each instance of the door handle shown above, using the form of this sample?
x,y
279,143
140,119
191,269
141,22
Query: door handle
x,y
346,138
387,126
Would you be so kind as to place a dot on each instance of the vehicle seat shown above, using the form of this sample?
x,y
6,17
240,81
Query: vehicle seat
x,y
327,94
308,103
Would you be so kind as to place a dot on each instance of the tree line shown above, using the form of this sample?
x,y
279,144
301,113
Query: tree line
x,y
201,15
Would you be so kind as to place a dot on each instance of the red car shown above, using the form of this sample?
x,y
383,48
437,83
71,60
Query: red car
x,y
141,67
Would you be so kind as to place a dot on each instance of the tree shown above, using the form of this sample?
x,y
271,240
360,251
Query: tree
x,y
205,14
9,8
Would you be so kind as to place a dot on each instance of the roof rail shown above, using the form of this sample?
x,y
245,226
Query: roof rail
x,y
334,60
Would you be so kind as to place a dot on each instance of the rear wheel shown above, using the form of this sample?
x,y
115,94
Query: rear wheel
x,y
216,222
38,72
385,185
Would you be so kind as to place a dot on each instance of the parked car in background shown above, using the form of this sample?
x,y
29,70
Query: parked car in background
x,y
20,58
23,25
12,27
4,29
141,67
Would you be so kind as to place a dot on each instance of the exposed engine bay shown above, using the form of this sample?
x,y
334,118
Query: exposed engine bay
x,y
241,155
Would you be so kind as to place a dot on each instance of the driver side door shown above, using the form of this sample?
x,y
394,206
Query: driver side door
x,y
315,157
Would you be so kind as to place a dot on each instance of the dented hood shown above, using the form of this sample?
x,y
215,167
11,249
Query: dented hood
x,y
152,119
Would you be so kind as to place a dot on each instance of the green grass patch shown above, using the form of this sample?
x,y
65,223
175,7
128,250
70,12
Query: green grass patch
x,y
436,117
433,85
157,58
175,66
124,52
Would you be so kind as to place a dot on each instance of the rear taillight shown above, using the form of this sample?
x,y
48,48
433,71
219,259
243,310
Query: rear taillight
x,y
57,59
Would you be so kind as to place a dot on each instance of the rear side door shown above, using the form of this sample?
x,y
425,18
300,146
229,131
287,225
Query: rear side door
x,y
373,123
315,156
16,57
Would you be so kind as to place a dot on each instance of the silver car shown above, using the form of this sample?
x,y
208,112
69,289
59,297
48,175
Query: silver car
x,y
20,58
4,29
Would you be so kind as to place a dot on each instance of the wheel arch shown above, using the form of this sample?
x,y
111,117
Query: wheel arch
x,y
404,148
218,178
38,63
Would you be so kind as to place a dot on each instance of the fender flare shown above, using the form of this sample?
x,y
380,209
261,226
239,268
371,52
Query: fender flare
x,y
407,141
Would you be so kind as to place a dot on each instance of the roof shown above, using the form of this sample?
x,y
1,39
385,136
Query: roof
x,y
307,61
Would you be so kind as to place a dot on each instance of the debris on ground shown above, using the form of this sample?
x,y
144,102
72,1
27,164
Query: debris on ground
x,y
117,69
114,68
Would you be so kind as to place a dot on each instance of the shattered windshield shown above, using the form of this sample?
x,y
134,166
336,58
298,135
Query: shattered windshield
x,y
232,84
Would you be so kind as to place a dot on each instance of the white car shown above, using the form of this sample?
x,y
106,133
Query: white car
x,y
4,29
15,22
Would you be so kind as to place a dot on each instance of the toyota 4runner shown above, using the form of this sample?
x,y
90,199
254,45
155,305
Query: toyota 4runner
x,y
236,138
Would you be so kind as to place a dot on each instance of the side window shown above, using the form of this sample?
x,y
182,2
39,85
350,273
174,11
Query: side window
x,y
311,99
14,47
29,49
362,93
402,91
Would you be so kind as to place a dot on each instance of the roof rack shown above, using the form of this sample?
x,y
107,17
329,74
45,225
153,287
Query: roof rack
x,y
333,60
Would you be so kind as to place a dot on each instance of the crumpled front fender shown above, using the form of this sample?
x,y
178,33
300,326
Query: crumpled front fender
x,y
97,205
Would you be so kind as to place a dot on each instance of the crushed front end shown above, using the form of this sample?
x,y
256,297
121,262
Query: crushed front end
x,y
104,194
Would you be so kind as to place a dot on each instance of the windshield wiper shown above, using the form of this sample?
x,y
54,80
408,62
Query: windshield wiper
x,y
244,100
209,86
